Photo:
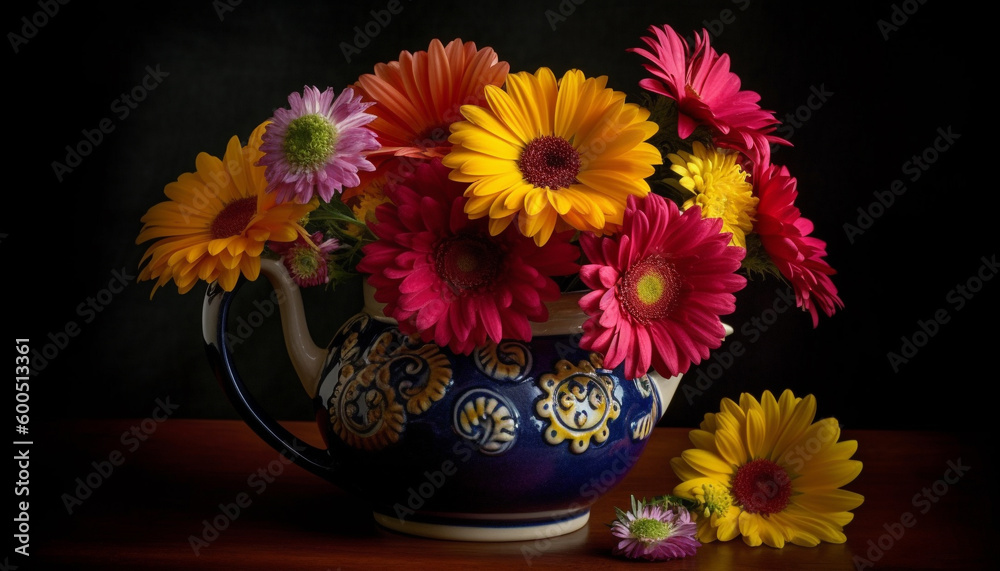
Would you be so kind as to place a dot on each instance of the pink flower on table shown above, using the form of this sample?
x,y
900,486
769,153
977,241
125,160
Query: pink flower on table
x,y
659,287
445,277
317,145
785,235
707,93
654,533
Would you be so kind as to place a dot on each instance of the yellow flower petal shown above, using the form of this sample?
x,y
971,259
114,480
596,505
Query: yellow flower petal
x,y
702,439
478,165
484,144
826,501
756,434
509,114
535,201
707,463
750,529
705,533
730,446
827,475
684,471
539,227
560,202
533,94
802,415
727,406
219,244
488,124
727,528
812,527
590,119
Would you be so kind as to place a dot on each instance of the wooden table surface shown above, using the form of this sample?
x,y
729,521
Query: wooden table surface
x,y
117,494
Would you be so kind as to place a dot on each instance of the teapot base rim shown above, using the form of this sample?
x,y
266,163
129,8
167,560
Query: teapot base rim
x,y
487,527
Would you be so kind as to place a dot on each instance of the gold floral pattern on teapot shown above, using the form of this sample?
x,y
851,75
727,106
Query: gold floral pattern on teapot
x,y
378,386
579,404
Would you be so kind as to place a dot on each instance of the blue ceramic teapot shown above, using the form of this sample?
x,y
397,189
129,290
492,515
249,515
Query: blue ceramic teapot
x,y
515,441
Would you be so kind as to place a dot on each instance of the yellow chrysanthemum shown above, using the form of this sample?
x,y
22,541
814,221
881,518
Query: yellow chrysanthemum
x,y
766,471
217,221
720,187
552,156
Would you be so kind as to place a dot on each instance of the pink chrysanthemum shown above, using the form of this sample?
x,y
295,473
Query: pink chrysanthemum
x,y
317,145
659,288
655,533
784,233
707,93
307,262
445,277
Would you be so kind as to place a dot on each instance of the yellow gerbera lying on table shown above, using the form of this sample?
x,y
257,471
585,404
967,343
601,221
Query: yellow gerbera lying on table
x,y
764,470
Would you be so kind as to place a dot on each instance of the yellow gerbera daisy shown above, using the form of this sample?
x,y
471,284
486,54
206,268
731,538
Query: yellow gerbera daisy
x,y
766,471
553,156
217,221
720,187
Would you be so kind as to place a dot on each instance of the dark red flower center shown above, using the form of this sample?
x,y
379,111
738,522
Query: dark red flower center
x,y
650,290
761,487
234,218
433,136
549,162
468,263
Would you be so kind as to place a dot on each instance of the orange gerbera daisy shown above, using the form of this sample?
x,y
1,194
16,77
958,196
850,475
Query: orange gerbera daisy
x,y
417,98
217,221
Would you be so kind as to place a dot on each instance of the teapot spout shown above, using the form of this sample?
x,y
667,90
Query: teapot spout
x,y
666,388
307,358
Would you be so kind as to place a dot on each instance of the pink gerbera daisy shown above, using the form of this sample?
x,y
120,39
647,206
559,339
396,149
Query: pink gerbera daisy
x,y
784,233
707,93
659,288
445,277
317,145
307,261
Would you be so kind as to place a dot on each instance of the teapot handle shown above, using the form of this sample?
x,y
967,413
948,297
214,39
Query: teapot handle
x,y
214,320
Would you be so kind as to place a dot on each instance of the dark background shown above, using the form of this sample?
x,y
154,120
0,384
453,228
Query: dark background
x,y
224,66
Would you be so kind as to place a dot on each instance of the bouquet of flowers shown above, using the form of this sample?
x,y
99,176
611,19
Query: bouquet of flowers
x,y
469,196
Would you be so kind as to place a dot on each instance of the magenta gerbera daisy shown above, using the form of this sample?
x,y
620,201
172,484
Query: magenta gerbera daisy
x,y
317,145
659,287
785,236
707,93
654,533
444,276
307,262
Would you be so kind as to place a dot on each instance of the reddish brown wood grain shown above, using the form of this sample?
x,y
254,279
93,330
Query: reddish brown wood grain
x,y
144,514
